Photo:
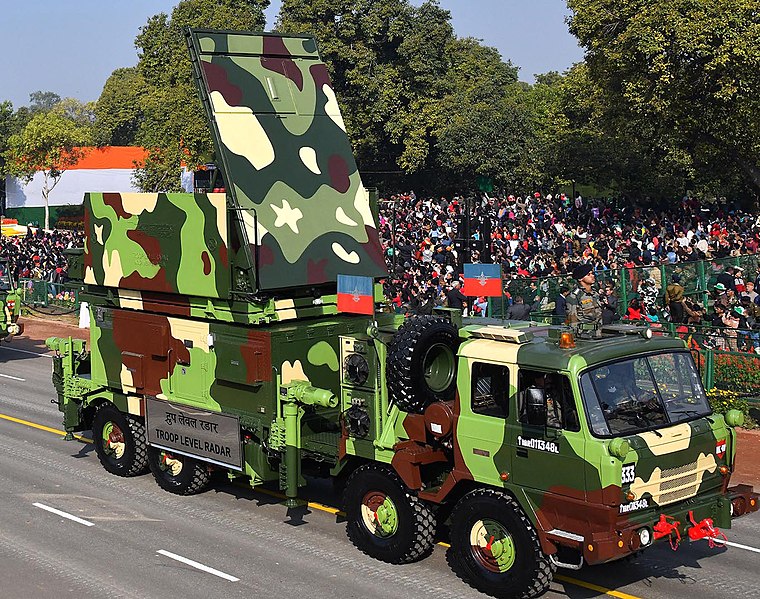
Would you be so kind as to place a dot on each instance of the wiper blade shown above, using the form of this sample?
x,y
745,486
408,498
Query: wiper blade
x,y
690,412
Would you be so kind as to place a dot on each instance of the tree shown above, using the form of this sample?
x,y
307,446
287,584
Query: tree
x,y
170,120
119,110
50,143
483,129
680,77
407,85
40,101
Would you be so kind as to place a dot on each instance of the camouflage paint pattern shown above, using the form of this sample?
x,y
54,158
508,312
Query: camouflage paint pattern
x,y
288,164
158,243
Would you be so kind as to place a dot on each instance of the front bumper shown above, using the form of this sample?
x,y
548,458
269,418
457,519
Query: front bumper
x,y
624,536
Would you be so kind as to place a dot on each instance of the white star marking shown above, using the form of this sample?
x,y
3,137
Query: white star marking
x,y
287,216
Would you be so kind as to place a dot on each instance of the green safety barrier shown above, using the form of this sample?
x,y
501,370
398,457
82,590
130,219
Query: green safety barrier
x,y
36,293
697,278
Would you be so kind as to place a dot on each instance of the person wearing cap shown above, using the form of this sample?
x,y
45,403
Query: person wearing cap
x,y
674,299
583,305
751,336
739,285
721,297
726,278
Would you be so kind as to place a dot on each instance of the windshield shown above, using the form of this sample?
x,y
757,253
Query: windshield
x,y
643,393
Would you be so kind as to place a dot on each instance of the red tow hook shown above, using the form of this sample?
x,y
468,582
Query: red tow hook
x,y
705,530
667,526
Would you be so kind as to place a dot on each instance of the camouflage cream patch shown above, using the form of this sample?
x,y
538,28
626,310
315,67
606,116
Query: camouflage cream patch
x,y
309,158
668,440
242,133
343,218
194,333
219,202
112,270
137,203
292,372
350,257
131,299
127,382
287,215
675,484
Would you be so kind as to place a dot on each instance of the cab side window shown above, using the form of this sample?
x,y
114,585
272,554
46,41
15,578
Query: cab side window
x,y
546,399
490,390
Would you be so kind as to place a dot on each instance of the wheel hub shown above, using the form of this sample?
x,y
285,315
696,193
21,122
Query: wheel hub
x,y
168,463
113,440
438,367
492,545
379,514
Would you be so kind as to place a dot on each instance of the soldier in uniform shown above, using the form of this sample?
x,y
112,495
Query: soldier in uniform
x,y
583,305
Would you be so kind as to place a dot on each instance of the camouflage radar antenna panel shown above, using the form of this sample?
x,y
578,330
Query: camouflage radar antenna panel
x,y
288,163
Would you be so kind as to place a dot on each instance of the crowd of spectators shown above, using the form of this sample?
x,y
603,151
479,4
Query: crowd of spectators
x,y
426,240
39,254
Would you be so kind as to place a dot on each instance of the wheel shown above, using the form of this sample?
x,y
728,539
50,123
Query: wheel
x,y
385,520
421,365
119,441
494,547
176,473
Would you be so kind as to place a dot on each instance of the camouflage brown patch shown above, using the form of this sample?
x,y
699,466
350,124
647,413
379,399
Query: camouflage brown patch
x,y
114,201
218,81
285,65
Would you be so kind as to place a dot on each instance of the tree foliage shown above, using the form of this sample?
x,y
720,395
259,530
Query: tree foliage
x,y
681,76
407,86
161,103
119,110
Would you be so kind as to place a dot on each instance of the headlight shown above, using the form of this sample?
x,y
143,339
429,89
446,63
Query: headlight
x,y
734,418
619,448
645,537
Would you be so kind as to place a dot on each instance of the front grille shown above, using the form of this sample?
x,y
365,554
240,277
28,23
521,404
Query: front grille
x,y
681,481
677,484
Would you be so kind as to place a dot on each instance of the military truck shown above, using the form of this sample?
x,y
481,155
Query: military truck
x,y
10,304
216,344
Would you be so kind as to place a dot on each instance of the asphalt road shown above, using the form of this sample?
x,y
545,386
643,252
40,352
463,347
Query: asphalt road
x,y
131,539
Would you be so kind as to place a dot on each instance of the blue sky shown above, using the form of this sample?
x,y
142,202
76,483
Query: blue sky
x,y
71,47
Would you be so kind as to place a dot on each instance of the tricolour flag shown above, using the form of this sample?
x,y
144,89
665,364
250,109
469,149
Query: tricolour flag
x,y
482,279
355,294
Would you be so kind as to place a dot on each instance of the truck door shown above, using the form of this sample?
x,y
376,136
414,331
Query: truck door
x,y
482,425
545,435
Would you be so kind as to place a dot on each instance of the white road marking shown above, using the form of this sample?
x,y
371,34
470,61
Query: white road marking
x,y
8,376
190,562
26,351
737,545
42,506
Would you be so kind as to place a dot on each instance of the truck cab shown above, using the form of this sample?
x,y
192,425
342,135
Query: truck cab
x,y
599,439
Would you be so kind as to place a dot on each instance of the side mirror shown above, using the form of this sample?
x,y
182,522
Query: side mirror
x,y
536,406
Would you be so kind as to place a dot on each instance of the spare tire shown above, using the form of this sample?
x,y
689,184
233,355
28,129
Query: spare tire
x,y
421,366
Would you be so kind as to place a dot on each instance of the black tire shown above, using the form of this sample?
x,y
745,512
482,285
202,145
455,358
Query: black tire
x,y
385,520
119,441
178,474
519,568
421,365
